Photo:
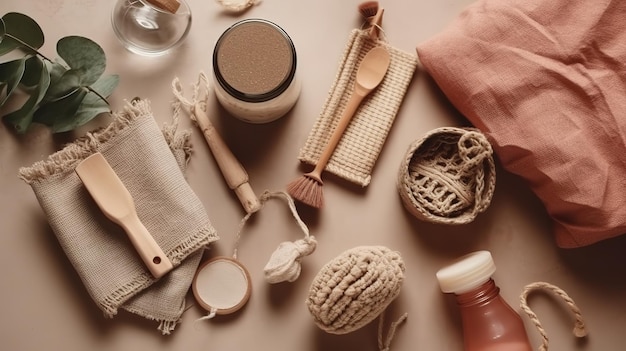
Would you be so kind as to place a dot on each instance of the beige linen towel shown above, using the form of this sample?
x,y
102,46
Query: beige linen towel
x,y
150,163
357,151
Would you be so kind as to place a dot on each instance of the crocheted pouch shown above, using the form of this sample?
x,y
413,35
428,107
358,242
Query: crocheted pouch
x,y
448,176
361,143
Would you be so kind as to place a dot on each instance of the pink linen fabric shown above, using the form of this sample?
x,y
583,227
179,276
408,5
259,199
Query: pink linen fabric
x,y
546,82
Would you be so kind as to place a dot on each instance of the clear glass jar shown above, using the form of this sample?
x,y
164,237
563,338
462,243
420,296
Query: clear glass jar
x,y
254,69
147,30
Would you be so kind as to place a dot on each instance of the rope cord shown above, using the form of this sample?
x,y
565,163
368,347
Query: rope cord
x,y
384,343
579,326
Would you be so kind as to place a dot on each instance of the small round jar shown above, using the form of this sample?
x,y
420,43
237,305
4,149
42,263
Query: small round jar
x,y
254,67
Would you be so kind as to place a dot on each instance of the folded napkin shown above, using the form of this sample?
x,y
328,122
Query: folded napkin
x,y
150,163
546,81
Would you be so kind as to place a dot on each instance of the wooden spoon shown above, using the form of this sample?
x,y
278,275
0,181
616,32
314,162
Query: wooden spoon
x,y
370,74
116,203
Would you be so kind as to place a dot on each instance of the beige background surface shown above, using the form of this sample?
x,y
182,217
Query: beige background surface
x,y
44,305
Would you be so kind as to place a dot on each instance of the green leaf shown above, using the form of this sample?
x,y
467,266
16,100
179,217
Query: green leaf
x,y
59,115
10,75
91,107
32,71
83,55
23,28
106,84
92,104
22,118
56,70
63,86
3,30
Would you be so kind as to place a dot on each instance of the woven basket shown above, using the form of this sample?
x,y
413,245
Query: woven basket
x,y
448,176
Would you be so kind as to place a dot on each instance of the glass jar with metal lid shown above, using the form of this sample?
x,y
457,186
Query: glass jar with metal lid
x,y
254,67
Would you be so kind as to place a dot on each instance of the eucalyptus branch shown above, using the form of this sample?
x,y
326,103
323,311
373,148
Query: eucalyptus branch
x,y
27,46
55,99
100,96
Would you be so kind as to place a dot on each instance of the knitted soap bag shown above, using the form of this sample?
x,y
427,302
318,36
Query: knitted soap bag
x,y
448,176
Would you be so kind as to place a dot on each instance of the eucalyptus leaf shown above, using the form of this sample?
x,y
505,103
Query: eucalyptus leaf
x,y
106,84
23,28
22,118
3,30
91,107
59,115
92,104
32,71
83,55
56,70
60,87
10,75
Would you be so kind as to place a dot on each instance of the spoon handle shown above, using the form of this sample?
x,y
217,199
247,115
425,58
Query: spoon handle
x,y
342,124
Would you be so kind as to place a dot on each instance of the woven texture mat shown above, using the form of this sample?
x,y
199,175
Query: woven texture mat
x,y
150,162
357,151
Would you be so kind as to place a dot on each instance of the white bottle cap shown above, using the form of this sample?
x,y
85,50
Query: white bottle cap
x,y
466,273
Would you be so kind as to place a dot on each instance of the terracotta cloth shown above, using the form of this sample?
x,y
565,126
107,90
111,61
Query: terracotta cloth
x,y
546,81
150,162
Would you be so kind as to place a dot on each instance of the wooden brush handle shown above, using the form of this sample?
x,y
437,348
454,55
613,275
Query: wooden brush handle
x,y
235,175
149,251
342,124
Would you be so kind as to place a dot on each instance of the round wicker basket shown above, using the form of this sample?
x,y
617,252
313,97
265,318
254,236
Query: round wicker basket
x,y
448,176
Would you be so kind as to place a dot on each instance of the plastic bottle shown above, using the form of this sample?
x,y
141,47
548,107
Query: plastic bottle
x,y
489,322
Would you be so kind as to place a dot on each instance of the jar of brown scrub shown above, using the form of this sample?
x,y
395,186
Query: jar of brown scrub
x,y
254,67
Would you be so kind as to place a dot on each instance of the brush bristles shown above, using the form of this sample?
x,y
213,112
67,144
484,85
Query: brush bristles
x,y
368,8
307,190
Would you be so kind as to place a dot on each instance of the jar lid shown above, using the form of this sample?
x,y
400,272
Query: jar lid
x,y
254,60
466,273
221,285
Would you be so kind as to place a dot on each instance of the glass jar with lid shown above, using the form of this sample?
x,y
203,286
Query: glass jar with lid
x,y
254,68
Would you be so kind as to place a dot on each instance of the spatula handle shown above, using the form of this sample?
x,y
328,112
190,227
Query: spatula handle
x,y
150,252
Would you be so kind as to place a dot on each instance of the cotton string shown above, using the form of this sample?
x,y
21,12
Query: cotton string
x,y
385,343
284,264
177,90
579,327
237,6
210,315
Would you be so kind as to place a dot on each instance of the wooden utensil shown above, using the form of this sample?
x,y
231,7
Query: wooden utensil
x,y
371,71
235,175
117,204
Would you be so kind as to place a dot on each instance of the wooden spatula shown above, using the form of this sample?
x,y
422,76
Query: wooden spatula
x,y
117,204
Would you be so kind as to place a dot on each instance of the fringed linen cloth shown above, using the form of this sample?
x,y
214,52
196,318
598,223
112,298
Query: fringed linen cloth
x,y
150,162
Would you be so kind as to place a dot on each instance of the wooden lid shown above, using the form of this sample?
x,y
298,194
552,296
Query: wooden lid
x,y
254,60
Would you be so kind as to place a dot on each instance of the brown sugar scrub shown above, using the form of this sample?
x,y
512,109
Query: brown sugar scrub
x,y
254,66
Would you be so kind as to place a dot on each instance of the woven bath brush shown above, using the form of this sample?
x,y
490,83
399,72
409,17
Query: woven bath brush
x,y
448,176
355,288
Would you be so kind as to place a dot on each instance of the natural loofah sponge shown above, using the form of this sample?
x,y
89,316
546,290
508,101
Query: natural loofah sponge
x,y
354,288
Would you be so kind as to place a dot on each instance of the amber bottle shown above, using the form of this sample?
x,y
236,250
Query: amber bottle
x,y
489,322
